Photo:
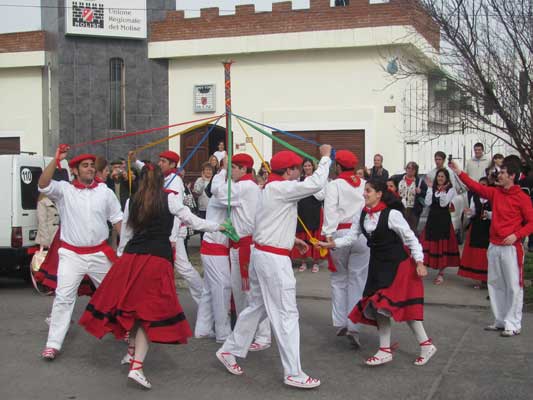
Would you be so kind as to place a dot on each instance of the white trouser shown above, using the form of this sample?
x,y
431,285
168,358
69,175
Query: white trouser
x,y
506,295
189,273
215,304
272,294
348,283
242,298
70,272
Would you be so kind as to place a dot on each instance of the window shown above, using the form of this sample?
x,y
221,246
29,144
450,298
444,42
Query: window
x,y
117,94
29,176
341,3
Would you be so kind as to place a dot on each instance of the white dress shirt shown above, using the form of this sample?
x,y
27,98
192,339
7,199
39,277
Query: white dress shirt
x,y
342,201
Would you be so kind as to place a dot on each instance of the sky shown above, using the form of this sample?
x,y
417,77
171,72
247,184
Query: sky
x,y
25,15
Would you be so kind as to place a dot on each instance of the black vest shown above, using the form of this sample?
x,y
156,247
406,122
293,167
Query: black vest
x,y
439,221
386,253
154,239
479,233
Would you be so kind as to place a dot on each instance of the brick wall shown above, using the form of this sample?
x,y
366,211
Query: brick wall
x,y
319,16
22,41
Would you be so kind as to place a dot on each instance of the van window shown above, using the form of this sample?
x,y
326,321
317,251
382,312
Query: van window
x,y
29,176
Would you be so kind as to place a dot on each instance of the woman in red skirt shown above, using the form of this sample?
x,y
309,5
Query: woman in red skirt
x,y
438,238
474,263
138,294
394,287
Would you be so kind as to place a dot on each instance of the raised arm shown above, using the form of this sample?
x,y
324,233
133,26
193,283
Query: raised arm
x,y
48,173
486,192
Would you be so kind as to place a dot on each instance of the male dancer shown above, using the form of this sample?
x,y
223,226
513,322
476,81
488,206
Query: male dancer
x,y
244,198
512,220
168,162
84,209
348,265
272,282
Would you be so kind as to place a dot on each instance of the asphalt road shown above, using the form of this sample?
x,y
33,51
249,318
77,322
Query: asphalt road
x,y
469,364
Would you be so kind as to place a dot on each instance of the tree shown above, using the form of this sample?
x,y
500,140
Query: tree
x,y
486,57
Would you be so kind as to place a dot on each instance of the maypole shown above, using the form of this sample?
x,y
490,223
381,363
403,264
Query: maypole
x,y
229,133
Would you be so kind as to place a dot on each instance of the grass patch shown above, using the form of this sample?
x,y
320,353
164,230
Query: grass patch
x,y
528,274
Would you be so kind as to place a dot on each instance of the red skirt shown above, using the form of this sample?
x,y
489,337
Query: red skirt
x,y
474,263
313,252
440,254
47,274
404,299
138,288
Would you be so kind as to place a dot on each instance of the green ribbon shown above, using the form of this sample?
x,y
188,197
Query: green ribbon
x,y
230,231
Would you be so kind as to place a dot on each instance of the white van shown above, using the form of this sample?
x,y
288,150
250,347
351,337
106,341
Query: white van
x,y
19,174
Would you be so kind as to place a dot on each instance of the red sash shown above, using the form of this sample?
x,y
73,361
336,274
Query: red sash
x,y
103,247
520,259
245,248
347,225
213,249
273,250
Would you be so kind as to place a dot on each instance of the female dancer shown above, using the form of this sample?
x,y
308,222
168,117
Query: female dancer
x,y
474,263
310,211
438,238
394,286
138,294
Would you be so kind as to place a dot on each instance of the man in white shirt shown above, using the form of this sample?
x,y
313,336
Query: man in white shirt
x,y
244,199
440,162
348,265
476,167
168,162
272,282
84,209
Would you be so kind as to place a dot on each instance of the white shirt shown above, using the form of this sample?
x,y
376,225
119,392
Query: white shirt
x,y
475,168
445,198
178,209
244,199
341,203
216,212
454,179
220,155
84,212
397,223
275,221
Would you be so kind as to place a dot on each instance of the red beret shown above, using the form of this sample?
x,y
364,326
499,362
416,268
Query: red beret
x,y
243,160
346,158
285,159
78,159
170,156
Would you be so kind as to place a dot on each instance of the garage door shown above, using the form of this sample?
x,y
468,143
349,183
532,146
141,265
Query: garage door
x,y
347,140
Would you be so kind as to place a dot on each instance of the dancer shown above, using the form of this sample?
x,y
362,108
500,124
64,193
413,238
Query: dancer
x,y
244,199
438,238
272,282
168,162
310,212
84,209
512,220
474,263
349,265
139,295
394,288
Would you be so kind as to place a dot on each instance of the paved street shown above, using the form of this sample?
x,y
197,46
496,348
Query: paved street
x,y
470,363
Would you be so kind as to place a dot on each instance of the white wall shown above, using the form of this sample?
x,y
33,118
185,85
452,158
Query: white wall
x,y
21,107
300,90
20,15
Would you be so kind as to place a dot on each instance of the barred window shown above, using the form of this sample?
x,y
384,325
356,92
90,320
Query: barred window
x,y
117,94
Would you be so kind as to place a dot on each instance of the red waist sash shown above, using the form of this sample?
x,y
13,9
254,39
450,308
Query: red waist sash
x,y
213,249
344,226
245,249
273,250
103,247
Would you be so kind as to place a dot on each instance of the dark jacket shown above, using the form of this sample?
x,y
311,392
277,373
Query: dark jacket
x,y
124,190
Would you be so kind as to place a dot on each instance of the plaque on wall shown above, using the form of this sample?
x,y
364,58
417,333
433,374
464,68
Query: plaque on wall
x,y
204,98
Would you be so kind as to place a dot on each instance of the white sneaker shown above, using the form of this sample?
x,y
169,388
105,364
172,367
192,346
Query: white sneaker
x,y
302,382
228,360
258,346
137,376
509,333
383,356
427,350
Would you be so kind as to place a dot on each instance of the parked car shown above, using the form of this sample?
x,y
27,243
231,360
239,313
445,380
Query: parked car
x,y
19,174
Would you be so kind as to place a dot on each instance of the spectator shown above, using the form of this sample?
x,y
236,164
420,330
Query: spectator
x,y
262,175
412,191
494,169
361,173
477,166
215,165
377,172
199,190
102,169
118,182
392,187
48,221
440,160
221,152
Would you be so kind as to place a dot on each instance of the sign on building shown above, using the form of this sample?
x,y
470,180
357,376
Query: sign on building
x,y
112,18
204,98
